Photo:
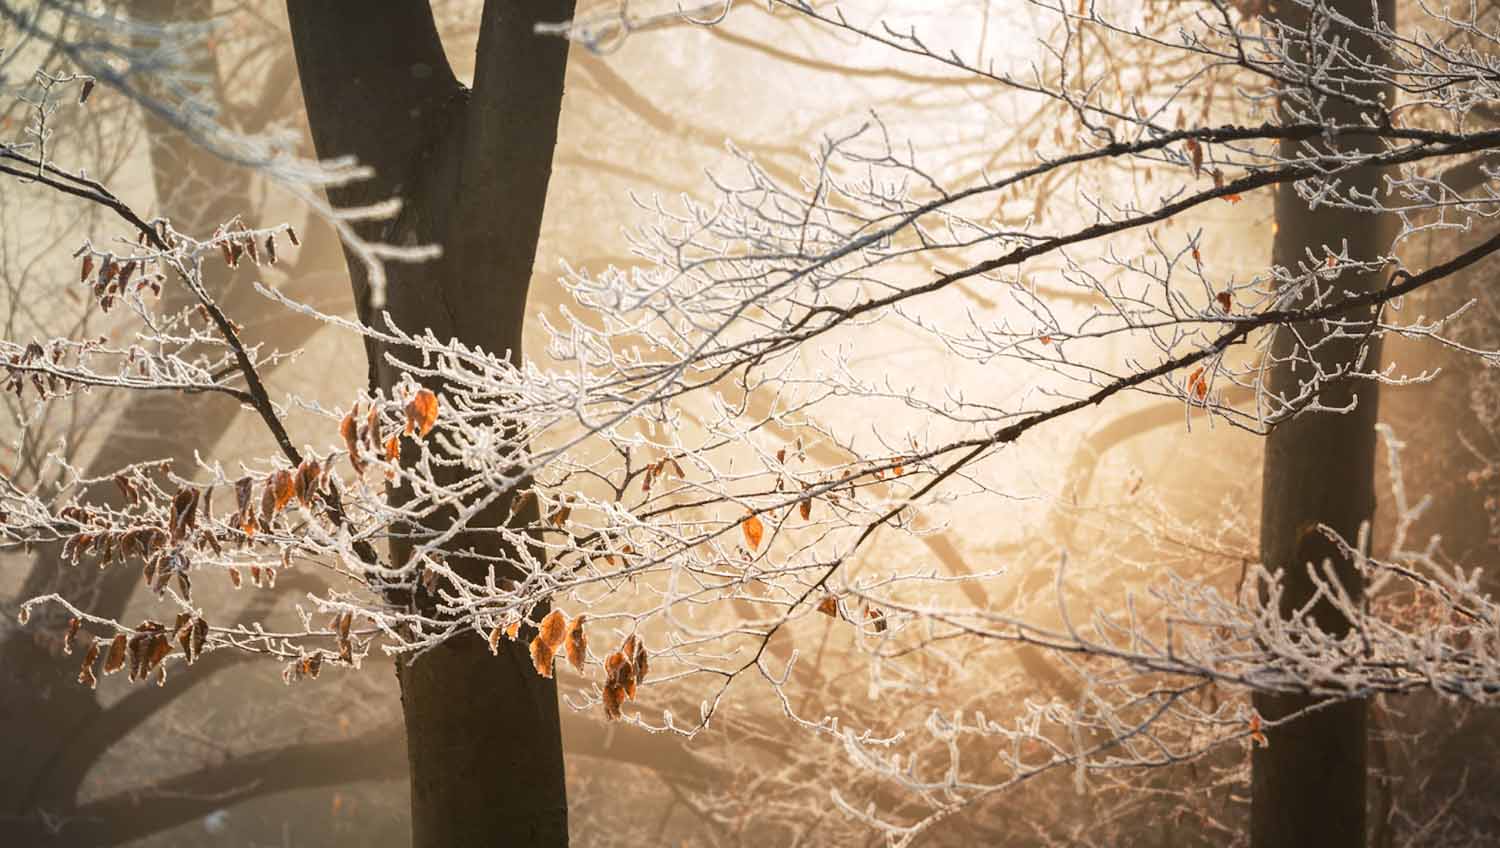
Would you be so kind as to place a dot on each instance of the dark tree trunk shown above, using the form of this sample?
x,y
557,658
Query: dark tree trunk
x,y
1309,784
471,169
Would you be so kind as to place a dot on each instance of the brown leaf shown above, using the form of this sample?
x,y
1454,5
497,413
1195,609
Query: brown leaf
x,y
561,513
306,483
115,660
244,488
614,696
422,412
754,531
553,630
618,671
642,663
1195,151
86,670
349,431
805,508
578,643
878,619
541,657
829,606
393,449
199,638
1225,300
71,635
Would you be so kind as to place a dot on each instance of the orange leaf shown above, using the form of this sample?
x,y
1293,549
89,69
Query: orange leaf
x,y
422,412
350,433
829,606
754,531
805,508
541,657
1198,384
285,488
1233,198
614,696
393,449
553,630
578,643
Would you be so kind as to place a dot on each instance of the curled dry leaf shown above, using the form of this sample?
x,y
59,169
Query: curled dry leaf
x,y
1198,384
115,660
614,697
421,412
754,531
829,606
618,673
577,643
553,629
284,487
243,490
541,657
642,663
71,635
1195,153
306,483
805,508
86,670
550,636
349,432
877,619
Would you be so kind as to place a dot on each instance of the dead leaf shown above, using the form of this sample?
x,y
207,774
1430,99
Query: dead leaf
x,y
754,531
577,643
421,412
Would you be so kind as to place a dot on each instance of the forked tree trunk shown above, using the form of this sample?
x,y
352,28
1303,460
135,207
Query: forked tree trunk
x,y
1308,786
471,169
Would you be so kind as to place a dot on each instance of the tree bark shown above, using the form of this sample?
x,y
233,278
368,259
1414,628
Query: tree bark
x,y
471,169
1308,786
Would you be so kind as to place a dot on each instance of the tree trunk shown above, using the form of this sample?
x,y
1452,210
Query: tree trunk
x,y
1308,786
471,169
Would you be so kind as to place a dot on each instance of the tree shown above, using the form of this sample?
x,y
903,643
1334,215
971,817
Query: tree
x,y
1309,783
691,486
380,88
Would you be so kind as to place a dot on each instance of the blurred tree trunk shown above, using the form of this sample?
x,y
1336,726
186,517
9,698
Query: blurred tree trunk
x,y
1308,786
58,728
471,169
